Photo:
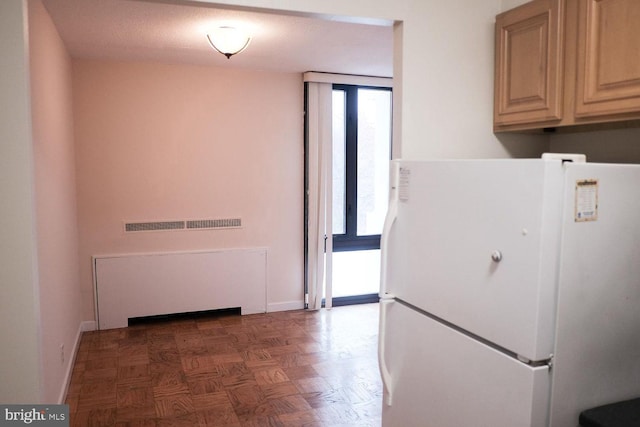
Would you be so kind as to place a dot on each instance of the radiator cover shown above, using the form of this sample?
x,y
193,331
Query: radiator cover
x,y
138,285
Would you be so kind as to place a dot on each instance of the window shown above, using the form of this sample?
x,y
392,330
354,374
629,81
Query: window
x,y
347,154
361,154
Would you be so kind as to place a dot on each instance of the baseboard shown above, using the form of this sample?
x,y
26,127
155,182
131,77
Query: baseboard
x,y
88,325
285,306
83,327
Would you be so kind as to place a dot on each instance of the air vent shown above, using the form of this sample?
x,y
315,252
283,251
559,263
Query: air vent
x,y
215,223
197,224
154,226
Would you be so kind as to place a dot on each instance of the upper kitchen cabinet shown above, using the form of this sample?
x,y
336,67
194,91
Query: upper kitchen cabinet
x,y
608,57
567,63
528,70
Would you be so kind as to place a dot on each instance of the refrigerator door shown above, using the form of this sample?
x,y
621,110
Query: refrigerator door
x,y
597,357
476,242
441,378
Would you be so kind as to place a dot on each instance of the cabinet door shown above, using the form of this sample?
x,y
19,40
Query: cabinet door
x,y
529,49
608,75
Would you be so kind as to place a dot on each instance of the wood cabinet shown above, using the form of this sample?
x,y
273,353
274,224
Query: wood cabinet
x,y
608,74
567,63
528,84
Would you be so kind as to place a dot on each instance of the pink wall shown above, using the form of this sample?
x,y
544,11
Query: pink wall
x,y
61,306
163,141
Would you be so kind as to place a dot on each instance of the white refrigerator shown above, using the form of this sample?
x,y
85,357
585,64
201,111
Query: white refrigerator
x,y
510,291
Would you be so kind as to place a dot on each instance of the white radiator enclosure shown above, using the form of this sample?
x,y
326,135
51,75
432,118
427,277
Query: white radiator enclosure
x,y
138,285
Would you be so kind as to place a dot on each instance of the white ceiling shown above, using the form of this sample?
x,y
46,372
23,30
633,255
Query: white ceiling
x,y
176,32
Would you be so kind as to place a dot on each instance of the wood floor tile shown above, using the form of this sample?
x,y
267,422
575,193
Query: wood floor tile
x,y
246,395
97,394
133,374
234,369
100,364
338,414
370,410
256,355
204,383
210,400
186,420
72,401
144,422
95,418
301,419
166,356
262,421
293,403
299,372
312,385
221,415
289,360
298,368
173,405
273,391
323,398
208,324
270,376
134,396
219,345
133,354
196,364
135,414
237,381
276,351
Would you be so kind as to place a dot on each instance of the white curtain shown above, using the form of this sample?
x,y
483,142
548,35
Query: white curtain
x,y
319,244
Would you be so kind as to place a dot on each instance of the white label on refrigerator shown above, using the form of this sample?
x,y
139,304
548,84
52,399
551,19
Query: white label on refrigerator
x,y
586,208
403,184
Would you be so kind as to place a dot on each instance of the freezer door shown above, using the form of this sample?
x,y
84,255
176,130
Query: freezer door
x,y
597,357
476,243
441,378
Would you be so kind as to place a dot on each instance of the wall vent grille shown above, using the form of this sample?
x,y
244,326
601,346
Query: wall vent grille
x,y
214,223
197,224
154,226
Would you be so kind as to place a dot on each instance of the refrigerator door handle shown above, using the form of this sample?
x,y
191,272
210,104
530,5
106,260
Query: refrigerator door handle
x,y
384,371
389,221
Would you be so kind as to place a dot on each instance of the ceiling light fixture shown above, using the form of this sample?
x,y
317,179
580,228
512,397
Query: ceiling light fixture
x,y
228,40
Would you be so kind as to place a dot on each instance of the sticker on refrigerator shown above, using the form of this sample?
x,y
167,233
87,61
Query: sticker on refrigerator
x,y
586,208
403,184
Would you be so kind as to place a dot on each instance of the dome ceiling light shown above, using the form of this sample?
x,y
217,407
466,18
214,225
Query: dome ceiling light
x,y
228,41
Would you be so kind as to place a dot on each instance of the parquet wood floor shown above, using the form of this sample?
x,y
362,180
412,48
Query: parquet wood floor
x,y
295,368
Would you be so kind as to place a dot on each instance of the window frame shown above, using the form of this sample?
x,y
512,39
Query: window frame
x,y
350,241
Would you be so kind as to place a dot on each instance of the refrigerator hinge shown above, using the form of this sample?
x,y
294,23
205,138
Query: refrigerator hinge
x,y
536,363
565,157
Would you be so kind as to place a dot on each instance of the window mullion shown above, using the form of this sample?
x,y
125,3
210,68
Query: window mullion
x,y
351,160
